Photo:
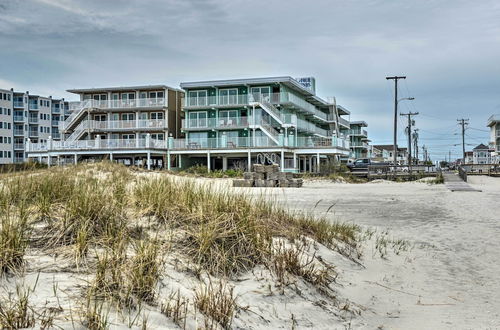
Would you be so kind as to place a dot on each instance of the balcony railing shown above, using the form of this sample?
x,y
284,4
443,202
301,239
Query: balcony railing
x,y
56,110
210,123
19,104
33,120
310,127
33,106
241,100
18,160
18,132
117,104
18,118
33,133
128,124
18,146
56,136
223,142
55,122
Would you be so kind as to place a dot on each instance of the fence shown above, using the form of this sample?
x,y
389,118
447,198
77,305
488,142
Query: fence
x,y
391,172
462,173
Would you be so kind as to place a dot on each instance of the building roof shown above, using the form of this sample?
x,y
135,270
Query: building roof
x,y
481,147
287,80
121,89
388,147
493,120
361,123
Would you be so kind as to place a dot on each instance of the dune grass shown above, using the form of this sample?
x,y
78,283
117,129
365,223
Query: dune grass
x,y
95,211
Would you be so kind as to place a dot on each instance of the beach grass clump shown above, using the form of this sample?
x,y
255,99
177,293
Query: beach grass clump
x,y
145,270
228,233
295,260
14,238
217,302
176,308
16,312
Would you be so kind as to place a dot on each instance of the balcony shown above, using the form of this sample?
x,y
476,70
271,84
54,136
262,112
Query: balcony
x,y
33,106
117,104
358,132
19,118
56,110
244,100
306,126
33,133
33,120
157,124
18,132
19,146
56,136
214,123
55,122
18,104
18,160
223,142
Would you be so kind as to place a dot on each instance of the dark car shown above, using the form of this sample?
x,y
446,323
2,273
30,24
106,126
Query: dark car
x,y
362,164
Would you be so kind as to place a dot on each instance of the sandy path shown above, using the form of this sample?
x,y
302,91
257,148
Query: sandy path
x,y
450,280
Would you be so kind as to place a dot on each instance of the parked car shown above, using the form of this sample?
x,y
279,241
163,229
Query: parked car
x,y
362,164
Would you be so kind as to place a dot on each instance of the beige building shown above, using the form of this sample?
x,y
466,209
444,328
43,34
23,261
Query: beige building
x,y
128,124
494,125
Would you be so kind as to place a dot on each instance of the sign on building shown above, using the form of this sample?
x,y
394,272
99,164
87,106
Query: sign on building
x,y
308,83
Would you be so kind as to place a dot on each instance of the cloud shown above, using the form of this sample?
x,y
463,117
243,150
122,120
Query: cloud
x,y
449,49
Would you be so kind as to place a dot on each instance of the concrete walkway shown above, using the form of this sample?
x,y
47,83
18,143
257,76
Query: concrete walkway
x,y
454,183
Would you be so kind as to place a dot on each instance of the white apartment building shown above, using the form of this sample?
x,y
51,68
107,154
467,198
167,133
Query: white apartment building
x,y
494,125
24,116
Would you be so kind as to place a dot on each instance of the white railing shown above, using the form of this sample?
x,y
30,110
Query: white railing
x,y
128,124
320,142
99,144
234,122
77,107
310,127
266,99
222,142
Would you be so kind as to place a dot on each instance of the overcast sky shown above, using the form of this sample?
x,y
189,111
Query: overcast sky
x,y
449,51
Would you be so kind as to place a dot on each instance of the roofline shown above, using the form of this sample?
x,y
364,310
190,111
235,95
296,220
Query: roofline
x,y
248,81
121,88
362,123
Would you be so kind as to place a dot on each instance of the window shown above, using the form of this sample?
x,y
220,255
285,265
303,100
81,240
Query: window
x,y
127,116
259,93
228,96
197,98
157,115
157,136
197,119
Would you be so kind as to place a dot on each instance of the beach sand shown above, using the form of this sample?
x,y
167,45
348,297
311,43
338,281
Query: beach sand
x,y
448,280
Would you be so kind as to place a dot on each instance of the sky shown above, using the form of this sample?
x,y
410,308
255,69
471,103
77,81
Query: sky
x,y
448,50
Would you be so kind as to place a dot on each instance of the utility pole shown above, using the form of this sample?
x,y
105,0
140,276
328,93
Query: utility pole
x,y
395,78
410,122
463,122
415,143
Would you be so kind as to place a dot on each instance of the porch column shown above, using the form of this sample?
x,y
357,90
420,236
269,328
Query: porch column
x,y
48,160
249,159
310,164
295,161
40,159
282,161
168,160
111,156
208,161
317,162
149,160
76,158
224,163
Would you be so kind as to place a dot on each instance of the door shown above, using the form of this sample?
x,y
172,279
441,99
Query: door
x,y
197,119
261,94
228,96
